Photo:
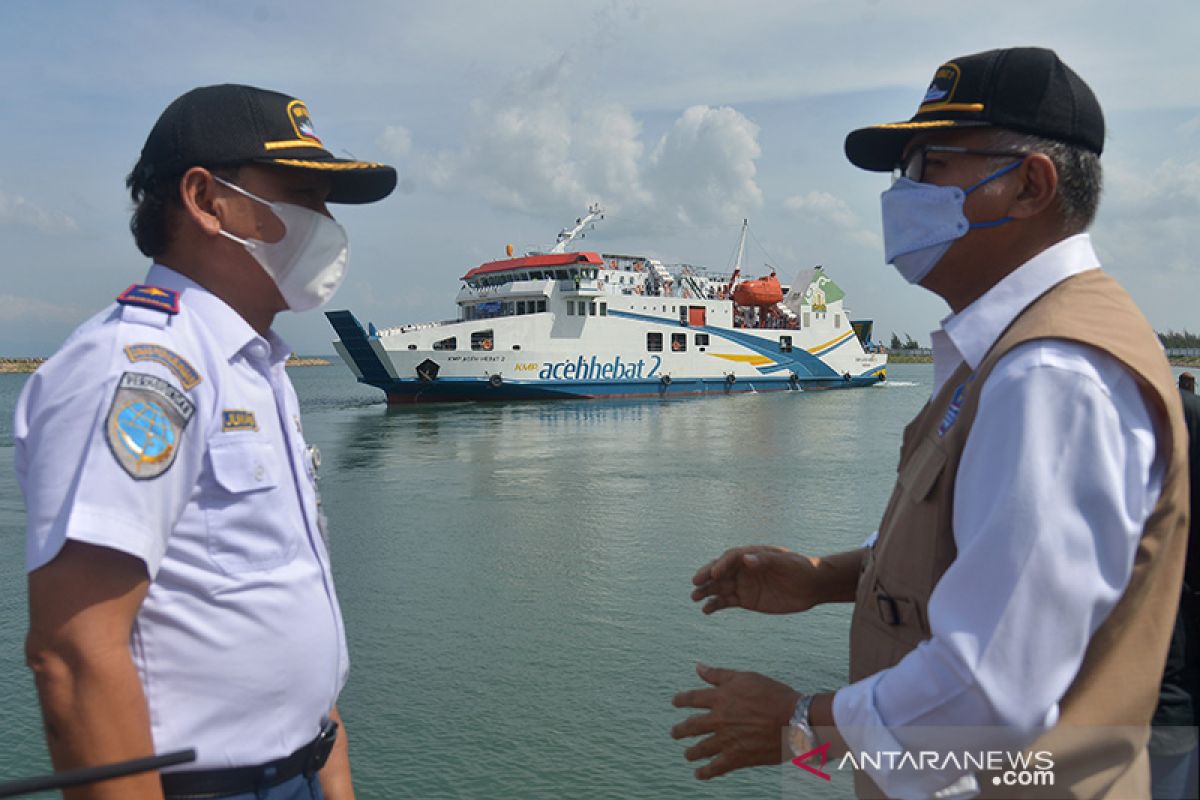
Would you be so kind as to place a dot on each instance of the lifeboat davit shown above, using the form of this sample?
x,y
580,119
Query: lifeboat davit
x,y
760,292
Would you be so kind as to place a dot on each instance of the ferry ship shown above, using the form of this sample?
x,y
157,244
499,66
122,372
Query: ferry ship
x,y
562,323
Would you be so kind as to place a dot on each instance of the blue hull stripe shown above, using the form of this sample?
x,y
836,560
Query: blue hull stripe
x,y
474,389
799,361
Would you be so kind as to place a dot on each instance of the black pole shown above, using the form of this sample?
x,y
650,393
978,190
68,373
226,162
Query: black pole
x,y
75,777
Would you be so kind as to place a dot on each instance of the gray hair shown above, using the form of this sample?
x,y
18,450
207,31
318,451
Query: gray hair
x,y
1079,176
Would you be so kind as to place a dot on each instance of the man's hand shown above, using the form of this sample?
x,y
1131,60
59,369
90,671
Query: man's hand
x,y
747,713
758,578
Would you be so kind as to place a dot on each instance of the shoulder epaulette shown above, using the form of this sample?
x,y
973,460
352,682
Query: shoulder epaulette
x,y
166,300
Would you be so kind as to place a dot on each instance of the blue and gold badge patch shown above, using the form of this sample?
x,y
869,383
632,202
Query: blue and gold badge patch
x,y
941,88
302,122
145,424
237,419
150,297
179,366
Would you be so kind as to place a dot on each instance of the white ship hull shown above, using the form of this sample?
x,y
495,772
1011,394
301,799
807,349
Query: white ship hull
x,y
578,325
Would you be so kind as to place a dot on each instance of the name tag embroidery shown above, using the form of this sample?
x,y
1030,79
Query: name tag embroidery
x,y
238,419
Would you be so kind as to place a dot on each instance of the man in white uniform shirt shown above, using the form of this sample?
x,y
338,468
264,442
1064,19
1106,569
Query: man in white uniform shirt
x,y
180,593
1022,584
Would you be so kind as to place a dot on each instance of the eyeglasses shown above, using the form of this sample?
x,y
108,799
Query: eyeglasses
x,y
913,165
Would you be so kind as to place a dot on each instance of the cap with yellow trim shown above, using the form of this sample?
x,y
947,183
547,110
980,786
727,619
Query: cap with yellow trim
x,y
229,124
1025,89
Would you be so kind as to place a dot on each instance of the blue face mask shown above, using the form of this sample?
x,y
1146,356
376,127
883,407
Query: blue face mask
x,y
921,221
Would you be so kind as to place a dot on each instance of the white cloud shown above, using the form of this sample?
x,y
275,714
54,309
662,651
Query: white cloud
x,y
703,169
534,147
396,141
830,213
18,211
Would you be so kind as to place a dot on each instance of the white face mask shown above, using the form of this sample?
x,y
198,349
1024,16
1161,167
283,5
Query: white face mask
x,y
308,263
921,221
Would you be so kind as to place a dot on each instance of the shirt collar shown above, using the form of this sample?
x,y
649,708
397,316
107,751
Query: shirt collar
x,y
230,331
969,334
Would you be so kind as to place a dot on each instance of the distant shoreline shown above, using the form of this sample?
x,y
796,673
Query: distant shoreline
x,y
9,366
25,365
904,358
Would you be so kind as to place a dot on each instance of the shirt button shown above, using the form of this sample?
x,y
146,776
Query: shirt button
x,y
259,472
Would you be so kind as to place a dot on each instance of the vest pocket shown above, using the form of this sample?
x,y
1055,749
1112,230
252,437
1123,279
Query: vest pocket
x,y
244,532
920,474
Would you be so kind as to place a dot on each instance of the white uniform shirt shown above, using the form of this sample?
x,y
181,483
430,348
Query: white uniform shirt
x,y
239,643
1057,478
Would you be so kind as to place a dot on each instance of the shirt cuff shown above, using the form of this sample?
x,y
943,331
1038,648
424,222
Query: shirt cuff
x,y
871,744
94,526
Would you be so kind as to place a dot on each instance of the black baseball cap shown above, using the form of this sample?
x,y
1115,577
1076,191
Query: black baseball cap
x,y
229,124
1025,89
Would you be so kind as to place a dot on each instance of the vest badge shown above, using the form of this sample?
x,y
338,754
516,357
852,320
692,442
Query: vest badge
x,y
951,415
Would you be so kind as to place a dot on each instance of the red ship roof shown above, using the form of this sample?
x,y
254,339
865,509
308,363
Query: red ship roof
x,y
528,262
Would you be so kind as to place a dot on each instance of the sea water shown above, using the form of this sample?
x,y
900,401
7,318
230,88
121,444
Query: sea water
x,y
515,578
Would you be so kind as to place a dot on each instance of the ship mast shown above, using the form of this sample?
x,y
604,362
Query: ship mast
x,y
737,264
568,235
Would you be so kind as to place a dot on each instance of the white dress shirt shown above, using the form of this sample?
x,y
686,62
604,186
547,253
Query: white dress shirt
x,y
1057,478
239,643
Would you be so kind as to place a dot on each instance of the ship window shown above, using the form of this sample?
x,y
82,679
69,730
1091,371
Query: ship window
x,y
520,306
654,342
678,342
701,339
561,274
604,309
837,320
516,347
591,309
482,340
541,305
570,308
446,344
412,347
785,344
807,320
508,309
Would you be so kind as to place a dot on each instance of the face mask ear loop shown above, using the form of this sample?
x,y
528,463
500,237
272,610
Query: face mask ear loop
x,y
993,176
242,191
246,243
1002,171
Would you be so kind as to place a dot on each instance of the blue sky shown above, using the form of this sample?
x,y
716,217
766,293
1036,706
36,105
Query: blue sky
x,y
506,120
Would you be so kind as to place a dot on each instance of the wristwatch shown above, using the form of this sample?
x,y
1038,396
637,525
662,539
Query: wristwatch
x,y
801,737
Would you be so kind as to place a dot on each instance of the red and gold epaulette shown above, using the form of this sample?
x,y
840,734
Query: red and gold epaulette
x,y
138,294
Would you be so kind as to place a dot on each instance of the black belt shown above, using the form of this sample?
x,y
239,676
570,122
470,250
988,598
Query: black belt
x,y
205,784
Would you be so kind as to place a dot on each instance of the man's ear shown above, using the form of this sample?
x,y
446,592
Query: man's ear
x,y
1039,186
197,194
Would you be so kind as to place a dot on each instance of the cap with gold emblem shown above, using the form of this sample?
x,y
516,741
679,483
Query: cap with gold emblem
x,y
1025,89
228,124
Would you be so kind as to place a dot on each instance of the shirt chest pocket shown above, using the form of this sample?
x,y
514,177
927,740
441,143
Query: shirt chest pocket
x,y
247,510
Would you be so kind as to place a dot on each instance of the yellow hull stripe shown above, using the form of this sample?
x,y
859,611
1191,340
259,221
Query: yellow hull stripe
x,y
834,340
753,360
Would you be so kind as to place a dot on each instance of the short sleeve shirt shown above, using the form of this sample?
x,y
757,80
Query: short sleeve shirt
x,y
176,438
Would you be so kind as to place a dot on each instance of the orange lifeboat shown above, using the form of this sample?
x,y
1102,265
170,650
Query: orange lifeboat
x,y
761,292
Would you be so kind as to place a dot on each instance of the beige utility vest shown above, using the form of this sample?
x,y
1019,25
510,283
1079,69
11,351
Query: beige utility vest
x,y
1117,684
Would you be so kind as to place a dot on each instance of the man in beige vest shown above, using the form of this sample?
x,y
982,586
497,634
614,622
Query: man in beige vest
x,y
1020,592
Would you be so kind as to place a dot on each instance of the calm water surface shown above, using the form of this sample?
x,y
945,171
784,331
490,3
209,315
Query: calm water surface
x,y
515,578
